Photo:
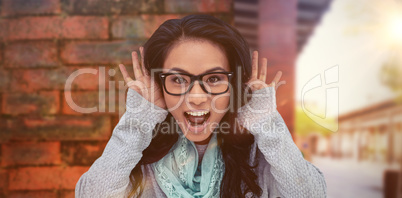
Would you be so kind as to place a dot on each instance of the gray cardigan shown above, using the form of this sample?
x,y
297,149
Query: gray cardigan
x,y
282,170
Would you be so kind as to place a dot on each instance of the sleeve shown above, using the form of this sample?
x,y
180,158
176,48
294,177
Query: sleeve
x,y
293,176
109,174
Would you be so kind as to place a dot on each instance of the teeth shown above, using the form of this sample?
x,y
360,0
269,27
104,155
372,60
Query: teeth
x,y
199,113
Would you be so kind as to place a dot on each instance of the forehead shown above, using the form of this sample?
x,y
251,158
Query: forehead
x,y
196,57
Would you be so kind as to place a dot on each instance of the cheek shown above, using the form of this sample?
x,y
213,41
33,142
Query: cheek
x,y
173,103
170,101
220,104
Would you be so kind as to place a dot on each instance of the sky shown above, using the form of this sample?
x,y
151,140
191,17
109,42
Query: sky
x,y
347,50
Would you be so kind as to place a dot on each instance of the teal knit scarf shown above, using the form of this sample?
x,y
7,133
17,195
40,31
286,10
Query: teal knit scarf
x,y
179,175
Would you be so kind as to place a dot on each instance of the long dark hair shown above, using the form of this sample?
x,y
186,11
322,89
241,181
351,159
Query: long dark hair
x,y
239,178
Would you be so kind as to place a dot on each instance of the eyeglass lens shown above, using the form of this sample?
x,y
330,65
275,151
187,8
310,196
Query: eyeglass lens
x,y
213,83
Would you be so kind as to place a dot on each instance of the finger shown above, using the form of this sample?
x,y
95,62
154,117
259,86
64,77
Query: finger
x,y
254,70
124,72
273,84
136,66
277,77
129,79
263,72
144,71
132,85
139,87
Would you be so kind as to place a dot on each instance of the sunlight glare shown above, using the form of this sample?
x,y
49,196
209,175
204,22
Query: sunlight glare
x,y
395,29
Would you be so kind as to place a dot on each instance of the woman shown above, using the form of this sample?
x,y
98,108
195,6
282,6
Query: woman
x,y
190,128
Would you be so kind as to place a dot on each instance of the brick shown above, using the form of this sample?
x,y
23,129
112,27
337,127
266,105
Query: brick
x,y
44,102
119,79
56,128
32,194
220,5
115,120
45,178
29,7
85,100
91,101
226,17
3,179
1,49
184,6
31,54
141,26
56,79
4,80
81,153
85,27
87,78
31,153
54,27
3,29
114,52
152,22
128,27
67,194
32,80
34,28
103,7
121,90
6,123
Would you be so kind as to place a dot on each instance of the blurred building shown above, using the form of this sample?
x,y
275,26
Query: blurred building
x,y
373,133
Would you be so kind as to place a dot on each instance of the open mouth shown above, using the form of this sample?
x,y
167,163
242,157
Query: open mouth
x,y
197,118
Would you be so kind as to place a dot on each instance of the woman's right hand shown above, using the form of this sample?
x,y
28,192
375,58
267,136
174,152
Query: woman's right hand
x,y
143,84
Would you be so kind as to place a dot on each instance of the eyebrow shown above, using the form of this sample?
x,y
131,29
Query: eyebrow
x,y
184,71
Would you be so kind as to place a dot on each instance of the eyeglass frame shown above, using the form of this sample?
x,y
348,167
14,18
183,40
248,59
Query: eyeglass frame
x,y
194,78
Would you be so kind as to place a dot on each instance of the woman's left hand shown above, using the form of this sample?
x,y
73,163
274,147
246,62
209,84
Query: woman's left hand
x,y
258,78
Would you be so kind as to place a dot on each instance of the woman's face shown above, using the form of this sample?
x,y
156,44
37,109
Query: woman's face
x,y
197,57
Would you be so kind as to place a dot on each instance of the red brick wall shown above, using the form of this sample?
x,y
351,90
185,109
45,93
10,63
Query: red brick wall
x,y
45,146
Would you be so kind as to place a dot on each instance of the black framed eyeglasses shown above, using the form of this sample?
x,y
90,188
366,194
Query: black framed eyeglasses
x,y
214,83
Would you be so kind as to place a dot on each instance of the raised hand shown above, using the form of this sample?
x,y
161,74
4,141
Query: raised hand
x,y
258,78
143,84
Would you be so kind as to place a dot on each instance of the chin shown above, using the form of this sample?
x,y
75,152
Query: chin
x,y
198,138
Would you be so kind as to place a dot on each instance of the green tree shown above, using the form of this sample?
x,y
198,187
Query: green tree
x,y
391,75
305,125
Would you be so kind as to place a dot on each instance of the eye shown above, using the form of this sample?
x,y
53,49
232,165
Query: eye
x,y
179,80
213,79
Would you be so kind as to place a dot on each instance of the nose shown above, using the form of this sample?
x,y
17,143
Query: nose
x,y
196,95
